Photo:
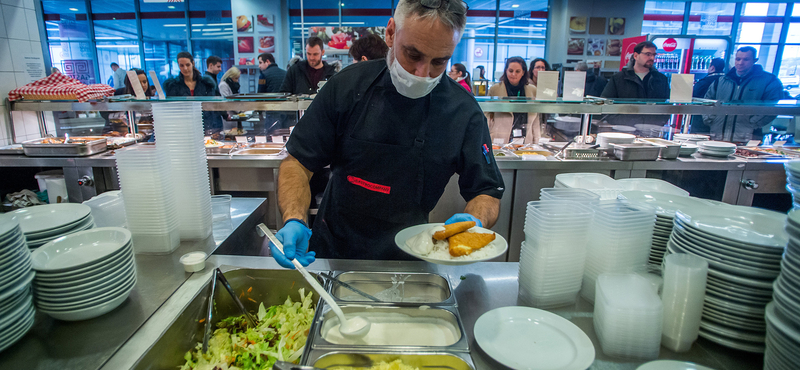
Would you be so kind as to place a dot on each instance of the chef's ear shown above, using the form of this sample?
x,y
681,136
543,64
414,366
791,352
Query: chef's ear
x,y
390,30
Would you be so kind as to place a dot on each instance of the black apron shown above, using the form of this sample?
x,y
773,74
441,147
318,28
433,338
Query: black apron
x,y
375,188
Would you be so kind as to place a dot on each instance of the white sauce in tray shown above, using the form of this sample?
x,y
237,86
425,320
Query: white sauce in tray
x,y
396,330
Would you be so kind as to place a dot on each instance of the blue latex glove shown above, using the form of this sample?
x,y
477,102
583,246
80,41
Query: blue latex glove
x,y
460,217
294,237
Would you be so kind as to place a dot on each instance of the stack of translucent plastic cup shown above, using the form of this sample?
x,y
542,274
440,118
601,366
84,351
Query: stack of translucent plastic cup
x,y
553,254
179,133
627,316
582,196
149,196
619,240
683,295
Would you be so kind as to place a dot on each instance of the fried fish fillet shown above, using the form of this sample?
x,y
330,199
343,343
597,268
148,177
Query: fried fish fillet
x,y
465,243
453,229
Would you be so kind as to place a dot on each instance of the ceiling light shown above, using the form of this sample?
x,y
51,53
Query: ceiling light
x,y
74,9
515,6
171,7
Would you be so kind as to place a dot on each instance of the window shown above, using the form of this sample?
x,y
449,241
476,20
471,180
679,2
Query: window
x,y
162,57
163,21
663,17
711,19
760,28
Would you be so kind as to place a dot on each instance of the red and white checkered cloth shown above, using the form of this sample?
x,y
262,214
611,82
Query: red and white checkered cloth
x,y
60,84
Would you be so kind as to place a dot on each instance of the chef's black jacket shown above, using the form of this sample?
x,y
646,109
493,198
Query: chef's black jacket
x,y
390,157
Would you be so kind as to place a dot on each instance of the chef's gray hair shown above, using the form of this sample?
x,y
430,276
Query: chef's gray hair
x,y
454,21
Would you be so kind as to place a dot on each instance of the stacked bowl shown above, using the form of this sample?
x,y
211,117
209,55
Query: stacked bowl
x,y
16,307
84,275
604,139
716,148
619,241
42,224
665,205
793,181
628,316
743,247
553,253
148,193
179,129
783,314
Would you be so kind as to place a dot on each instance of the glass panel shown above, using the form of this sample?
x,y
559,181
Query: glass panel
x,y
211,19
75,59
796,10
790,69
161,56
794,32
473,53
203,49
759,32
165,21
711,19
766,55
65,20
516,18
125,53
114,20
662,25
763,9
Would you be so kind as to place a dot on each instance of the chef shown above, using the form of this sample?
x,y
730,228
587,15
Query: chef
x,y
393,132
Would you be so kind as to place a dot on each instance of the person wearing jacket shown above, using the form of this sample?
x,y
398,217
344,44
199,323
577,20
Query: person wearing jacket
x,y
504,127
594,84
715,71
639,80
459,73
213,67
747,82
189,82
305,75
271,76
230,82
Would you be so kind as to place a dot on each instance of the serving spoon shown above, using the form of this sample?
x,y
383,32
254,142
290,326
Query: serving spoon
x,y
355,328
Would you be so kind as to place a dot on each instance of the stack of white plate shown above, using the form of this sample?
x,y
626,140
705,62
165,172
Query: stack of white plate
x,y
16,307
628,316
619,241
84,275
783,314
42,224
148,194
690,138
743,247
553,254
793,181
582,196
716,148
666,205
606,138
179,128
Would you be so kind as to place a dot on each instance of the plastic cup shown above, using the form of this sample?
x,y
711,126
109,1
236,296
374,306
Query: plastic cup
x,y
684,291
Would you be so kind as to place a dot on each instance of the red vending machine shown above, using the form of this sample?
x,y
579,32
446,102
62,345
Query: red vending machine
x,y
689,54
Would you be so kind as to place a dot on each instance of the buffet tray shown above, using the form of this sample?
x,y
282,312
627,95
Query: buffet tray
x,y
12,149
326,359
636,152
755,153
669,149
91,145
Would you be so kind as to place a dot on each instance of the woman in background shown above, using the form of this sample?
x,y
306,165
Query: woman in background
x,y
506,127
189,82
459,73
538,65
230,82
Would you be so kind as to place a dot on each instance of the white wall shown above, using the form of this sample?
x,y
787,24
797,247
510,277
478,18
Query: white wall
x,y
561,11
19,34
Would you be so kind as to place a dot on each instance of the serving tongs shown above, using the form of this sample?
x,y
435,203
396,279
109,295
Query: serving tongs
x,y
283,365
219,276
348,286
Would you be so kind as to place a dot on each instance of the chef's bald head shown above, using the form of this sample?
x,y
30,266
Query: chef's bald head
x,y
452,13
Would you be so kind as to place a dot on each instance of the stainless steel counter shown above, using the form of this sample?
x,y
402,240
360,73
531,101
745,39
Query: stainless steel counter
x,y
478,288
54,344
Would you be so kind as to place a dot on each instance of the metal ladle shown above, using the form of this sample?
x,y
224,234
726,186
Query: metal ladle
x,y
355,328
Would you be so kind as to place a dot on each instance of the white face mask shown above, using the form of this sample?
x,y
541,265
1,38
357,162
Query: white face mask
x,y
407,84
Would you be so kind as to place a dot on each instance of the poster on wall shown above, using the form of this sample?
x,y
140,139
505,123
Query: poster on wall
x,y
577,24
266,44
616,26
628,44
265,22
614,47
245,45
595,47
575,46
244,23
342,37
247,61
597,26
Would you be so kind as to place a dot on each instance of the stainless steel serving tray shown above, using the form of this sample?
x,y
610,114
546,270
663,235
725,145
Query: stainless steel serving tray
x,y
12,149
669,149
362,360
36,148
414,287
259,152
636,152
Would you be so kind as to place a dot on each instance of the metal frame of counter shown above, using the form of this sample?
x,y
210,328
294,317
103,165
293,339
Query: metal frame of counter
x,y
478,288
54,344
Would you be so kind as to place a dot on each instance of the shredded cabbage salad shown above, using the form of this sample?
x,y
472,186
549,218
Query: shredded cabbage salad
x,y
280,335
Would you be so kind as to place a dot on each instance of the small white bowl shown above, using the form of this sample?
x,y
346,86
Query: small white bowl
x,y
194,261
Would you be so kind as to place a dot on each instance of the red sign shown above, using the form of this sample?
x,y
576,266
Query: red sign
x,y
627,49
669,45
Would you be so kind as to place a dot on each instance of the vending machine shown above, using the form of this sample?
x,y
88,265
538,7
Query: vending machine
x,y
689,54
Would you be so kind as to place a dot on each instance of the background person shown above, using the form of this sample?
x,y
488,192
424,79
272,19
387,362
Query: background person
x,y
459,73
117,76
505,127
213,68
639,79
189,82
594,84
537,65
747,82
715,71
230,82
368,47
271,76
305,75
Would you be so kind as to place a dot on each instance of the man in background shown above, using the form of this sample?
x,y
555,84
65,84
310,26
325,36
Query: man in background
x,y
213,67
368,47
118,76
271,76
594,84
305,75
715,71
747,82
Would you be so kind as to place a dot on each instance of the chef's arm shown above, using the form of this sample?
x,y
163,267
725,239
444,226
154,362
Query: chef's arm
x,y
484,207
294,192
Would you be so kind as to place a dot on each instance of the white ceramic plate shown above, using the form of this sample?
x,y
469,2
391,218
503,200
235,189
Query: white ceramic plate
x,y
651,185
80,249
748,224
529,338
757,254
88,290
671,365
90,312
498,245
7,225
78,275
89,302
14,335
732,343
51,216
719,145
36,243
665,204
61,229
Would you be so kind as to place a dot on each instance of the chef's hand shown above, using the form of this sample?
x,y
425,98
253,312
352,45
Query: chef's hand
x,y
460,217
294,236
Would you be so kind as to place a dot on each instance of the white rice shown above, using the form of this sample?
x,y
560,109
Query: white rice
x,y
441,251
